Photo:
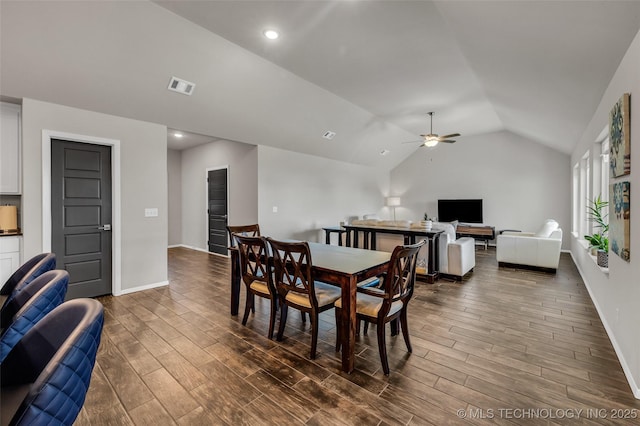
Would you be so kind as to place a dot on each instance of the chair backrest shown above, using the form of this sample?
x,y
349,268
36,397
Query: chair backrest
x,y
401,275
556,235
55,360
30,305
246,230
293,269
254,261
547,228
28,271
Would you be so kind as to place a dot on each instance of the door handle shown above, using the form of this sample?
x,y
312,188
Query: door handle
x,y
105,228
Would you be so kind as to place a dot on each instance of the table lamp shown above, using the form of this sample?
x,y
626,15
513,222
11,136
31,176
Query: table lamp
x,y
393,202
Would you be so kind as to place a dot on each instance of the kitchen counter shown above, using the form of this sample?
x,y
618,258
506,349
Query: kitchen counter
x,y
10,234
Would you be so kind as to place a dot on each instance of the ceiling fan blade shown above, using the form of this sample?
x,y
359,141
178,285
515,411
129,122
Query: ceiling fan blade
x,y
447,141
452,135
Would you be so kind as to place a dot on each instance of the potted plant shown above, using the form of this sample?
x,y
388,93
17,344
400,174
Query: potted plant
x,y
428,223
596,213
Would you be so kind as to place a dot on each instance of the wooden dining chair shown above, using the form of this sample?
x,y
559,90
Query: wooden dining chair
x,y
246,230
389,301
293,277
257,276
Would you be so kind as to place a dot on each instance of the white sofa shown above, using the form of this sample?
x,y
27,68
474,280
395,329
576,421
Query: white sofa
x,y
540,249
457,257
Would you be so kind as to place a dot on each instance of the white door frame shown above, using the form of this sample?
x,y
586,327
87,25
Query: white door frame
x,y
116,233
206,199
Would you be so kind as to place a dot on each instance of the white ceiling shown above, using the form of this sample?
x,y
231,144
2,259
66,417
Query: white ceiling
x,y
368,70
179,140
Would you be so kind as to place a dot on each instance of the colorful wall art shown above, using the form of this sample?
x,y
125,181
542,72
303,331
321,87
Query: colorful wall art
x,y
619,220
620,138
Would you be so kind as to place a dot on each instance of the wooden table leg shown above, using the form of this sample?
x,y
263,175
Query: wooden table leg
x,y
235,281
433,260
348,324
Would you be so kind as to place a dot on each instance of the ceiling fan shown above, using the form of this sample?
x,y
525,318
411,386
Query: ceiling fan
x,y
431,139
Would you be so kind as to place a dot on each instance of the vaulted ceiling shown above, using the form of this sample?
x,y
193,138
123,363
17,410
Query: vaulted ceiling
x,y
367,70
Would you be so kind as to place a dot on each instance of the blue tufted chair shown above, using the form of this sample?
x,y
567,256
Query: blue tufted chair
x,y
33,302
45,377
26,273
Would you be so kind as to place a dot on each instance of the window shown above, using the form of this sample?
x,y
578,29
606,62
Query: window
x,y
583,171
575,223
604,170
590,179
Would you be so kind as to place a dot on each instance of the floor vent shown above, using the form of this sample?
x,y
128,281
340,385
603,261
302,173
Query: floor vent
x,y
181,86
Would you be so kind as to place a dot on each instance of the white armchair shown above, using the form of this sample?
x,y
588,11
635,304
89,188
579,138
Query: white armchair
x,y
540,249
457,257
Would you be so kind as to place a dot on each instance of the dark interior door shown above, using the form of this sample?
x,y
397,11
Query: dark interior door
x,y
217,210
81,215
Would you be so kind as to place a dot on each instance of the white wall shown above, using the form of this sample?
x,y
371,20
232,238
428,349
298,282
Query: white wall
x,y
143,184
522,183
174,180
617,295
312,192
242,160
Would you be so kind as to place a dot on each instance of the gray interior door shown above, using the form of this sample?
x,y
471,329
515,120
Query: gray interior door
x,y
217,210
81,215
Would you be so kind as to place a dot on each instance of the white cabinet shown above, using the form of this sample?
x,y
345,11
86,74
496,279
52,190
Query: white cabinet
x,y
10,150
9,257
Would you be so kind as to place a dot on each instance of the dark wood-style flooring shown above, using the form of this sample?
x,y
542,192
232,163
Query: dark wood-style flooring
x,y
499,345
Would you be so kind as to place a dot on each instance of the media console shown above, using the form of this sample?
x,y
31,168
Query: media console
x,y
482,233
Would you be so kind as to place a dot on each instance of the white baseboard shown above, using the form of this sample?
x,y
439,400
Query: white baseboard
x,y
142,287
198,249
623,362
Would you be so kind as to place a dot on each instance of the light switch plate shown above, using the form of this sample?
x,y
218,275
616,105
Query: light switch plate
x,y
152,212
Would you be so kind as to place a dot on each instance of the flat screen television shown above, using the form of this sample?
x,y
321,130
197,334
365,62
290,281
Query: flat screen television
x,y
465,211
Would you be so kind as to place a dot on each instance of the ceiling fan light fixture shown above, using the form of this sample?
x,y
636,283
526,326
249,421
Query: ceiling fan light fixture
x,y
430,142
271,34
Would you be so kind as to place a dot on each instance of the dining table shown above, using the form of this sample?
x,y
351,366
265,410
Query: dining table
x,y
337,265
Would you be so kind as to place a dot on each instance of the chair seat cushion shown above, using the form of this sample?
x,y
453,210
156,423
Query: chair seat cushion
x,y
325,293
260,287
370,305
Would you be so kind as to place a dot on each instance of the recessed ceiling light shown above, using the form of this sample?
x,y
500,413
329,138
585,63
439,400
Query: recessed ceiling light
x,y
271,34
178,135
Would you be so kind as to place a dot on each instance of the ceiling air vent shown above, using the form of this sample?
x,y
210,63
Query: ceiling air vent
x,y
329,134
181,86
